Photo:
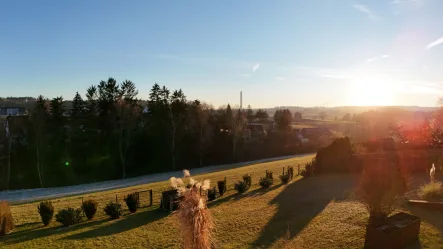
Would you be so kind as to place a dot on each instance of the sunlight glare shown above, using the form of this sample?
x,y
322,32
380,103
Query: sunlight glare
x,y
371,90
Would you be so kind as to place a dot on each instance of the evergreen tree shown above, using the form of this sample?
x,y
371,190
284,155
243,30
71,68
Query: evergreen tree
x,y
262,116
57,111
78,107
250,114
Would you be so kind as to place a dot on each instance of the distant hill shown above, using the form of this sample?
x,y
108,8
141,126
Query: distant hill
x,y
307,112
340,111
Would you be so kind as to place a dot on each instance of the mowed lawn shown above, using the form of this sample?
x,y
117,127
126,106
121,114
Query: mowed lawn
x,y
318,212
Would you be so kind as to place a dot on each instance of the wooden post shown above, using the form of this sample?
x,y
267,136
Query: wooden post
x,y
283,171
298,170
171,203
150,197
116,200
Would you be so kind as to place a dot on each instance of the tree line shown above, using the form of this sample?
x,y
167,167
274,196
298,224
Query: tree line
x,y
111,134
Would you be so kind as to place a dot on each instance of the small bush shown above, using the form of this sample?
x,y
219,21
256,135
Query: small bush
x,y
212,194
432,191
221,187
266,182
46,211
241,187
248,180
69,216
114,210
90,208
132,201
308,170
285,178
6,220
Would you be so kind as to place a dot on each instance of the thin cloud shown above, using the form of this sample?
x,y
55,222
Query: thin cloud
x,y
381,57
435,43
254,68
366,10
280,78
245,75
404,1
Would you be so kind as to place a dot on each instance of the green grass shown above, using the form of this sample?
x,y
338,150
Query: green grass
x,y
318,212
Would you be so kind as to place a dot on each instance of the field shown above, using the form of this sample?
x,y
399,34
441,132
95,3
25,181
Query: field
x,y
318,212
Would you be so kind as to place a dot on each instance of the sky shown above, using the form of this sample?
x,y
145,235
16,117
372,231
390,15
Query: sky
x,y
279,53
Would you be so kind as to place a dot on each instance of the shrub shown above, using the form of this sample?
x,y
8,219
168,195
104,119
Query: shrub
x,y
221,187
267,181
247,179
212,194
285,178
69,216
334,158
6,220
89,208
132,200
308,170
195,219
432,191
114,210
46,211
380,190
243,186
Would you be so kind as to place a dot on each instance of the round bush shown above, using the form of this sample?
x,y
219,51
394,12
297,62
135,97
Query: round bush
x,y
266,182
212,194
46,211
114,210
89,207
132,201
69,216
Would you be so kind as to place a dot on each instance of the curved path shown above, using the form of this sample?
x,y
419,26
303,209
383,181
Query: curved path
x,y
28,195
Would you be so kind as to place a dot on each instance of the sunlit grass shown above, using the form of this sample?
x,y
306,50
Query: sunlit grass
x,y
318,212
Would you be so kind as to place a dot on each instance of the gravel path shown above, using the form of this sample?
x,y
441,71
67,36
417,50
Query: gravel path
x,y
28,195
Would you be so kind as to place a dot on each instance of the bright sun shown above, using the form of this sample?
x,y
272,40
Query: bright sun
x,y
370,90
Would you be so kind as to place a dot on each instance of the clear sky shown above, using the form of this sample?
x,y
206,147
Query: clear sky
x,y
294,52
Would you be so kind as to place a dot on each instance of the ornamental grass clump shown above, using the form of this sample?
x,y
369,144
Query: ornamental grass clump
x,y
194,218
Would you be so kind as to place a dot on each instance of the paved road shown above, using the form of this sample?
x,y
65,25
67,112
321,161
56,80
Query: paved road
x,y
27,195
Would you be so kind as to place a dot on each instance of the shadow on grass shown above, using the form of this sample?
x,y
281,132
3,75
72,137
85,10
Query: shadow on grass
x,y
237,196
124,224
432,217
299,203
41,232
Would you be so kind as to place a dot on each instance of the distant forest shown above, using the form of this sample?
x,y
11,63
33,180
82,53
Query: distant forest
x,y
109,133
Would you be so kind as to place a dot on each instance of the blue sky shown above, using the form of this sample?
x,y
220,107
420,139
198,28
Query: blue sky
x,y
304,53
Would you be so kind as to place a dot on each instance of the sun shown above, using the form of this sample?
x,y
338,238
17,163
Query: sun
x,y
371,90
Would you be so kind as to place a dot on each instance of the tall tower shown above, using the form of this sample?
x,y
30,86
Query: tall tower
x,y
241,99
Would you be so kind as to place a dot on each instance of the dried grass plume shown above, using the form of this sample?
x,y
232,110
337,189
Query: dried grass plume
x,y
195,220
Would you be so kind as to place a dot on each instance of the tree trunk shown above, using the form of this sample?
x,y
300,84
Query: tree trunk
x,y
37,150
122,157
201,145
8,175
173,137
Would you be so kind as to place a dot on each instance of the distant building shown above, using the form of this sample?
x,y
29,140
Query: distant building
x,y
254,131
12,111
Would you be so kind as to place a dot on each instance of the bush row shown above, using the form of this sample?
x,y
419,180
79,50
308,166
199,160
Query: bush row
x,y
70,216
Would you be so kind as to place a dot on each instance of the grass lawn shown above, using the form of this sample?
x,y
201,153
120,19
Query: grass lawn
x,y
317,212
